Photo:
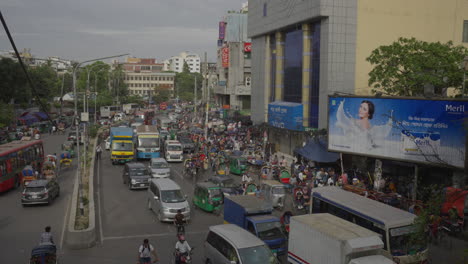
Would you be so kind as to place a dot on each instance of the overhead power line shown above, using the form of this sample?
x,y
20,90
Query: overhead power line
x,y
33,88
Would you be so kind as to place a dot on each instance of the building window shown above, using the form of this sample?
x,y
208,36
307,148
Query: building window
x,y
273,67
264,9
314,75
465,31
131,78
292,89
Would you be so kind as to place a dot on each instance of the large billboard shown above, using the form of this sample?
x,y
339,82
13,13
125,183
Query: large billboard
x,y
414,130
225,57
285,115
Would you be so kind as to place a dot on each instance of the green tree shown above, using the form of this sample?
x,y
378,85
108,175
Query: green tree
x,y
184,82
45,81
135,99
12,82
406,66
161,95
7,114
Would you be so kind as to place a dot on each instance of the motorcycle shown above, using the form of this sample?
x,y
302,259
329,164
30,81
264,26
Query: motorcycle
x,y
185,258
453,228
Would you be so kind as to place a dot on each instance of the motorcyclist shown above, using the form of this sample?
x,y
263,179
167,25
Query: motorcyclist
x,y
182,249
179,220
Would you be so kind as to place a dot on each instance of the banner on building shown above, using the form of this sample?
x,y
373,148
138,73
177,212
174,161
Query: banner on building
x,y
285,115
225,57
247,47
222,30
414,130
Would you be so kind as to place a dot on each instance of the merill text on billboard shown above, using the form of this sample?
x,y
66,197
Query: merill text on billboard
x,y
414,130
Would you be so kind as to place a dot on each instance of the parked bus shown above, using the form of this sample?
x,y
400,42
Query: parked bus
x,y
14,156
393,224
148,142
109,111
129,109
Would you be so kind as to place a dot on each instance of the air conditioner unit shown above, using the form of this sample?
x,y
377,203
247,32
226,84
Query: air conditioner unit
x,y
248,81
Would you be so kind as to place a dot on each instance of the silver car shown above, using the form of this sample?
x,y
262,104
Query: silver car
x,y
159,168
165,198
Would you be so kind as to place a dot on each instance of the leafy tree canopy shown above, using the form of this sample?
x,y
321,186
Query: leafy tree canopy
x,y
406,66
7,114
185,82
12,82
161,95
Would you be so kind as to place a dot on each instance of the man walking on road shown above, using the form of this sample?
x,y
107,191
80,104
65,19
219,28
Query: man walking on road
x,y
98,152
144,253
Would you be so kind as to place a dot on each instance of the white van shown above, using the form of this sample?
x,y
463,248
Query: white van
x,y
228,244
165,198
173,151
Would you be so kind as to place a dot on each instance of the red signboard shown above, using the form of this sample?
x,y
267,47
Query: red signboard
x,y
225,57
247,47
222,30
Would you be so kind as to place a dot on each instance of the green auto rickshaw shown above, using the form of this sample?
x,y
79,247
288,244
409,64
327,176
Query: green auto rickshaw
x,y
238,165
69,146
208,197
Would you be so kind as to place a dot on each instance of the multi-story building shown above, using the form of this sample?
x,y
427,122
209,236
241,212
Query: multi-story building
x,y
142,76
176,63
233,62
307,50
304,51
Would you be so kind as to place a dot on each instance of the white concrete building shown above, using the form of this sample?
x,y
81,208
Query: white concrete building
x,y
176,63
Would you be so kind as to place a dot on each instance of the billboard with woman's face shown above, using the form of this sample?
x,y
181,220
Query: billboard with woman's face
x,y
414,130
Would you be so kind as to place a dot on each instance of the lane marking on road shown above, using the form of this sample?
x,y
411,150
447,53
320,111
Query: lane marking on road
x,y
101,233
65,222
171,234
178,174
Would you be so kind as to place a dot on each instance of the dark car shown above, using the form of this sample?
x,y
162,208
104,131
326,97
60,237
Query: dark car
x,y
136,175
227,184
72,137
40,192
187,144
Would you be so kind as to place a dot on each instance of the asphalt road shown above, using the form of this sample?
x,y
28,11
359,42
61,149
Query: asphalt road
x,y
124,221
20,227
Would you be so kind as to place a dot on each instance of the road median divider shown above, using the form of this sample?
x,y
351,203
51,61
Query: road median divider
x,y
81,229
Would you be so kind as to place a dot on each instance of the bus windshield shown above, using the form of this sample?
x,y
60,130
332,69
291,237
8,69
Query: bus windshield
x,y
148,142
174,148
122,146
400,243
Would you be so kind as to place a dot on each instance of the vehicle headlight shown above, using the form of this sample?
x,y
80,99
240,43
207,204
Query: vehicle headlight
x,y
167,210
134,181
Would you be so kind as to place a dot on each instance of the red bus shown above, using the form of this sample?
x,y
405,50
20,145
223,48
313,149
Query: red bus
x,y
14,156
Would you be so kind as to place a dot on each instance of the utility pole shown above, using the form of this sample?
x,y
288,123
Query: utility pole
x,y
61,95
195,95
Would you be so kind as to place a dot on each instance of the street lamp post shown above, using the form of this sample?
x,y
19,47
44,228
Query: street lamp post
x,y
77,128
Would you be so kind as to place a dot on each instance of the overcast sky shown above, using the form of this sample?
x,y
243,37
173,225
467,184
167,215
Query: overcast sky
x,y
87,29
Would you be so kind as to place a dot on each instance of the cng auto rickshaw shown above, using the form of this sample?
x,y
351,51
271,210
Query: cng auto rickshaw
x,y
274,192
208,197
237,165
69,146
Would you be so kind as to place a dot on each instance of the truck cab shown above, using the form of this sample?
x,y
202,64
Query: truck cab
x,y
254,215
173,151
268,229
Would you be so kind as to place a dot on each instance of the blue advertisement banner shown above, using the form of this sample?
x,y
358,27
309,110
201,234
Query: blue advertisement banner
x,y
285,115
423,131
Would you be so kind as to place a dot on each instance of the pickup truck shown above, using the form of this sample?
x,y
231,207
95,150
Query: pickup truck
x,y
254,215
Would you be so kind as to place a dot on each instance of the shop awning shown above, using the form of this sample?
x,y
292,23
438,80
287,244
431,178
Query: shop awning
x,y
316,150
41,115
28,119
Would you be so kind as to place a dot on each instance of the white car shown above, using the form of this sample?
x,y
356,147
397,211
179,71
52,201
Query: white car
x,y
107,143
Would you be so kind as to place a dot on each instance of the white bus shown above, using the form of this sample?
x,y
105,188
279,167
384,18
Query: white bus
x,y
130,108
393,224
109,111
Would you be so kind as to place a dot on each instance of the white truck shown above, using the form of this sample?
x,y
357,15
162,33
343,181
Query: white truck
x,y
327,239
